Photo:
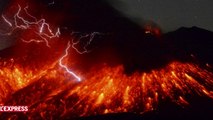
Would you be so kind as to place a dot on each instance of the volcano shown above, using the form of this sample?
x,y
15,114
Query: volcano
x,y
89,64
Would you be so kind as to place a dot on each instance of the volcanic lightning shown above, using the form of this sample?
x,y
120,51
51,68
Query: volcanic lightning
x,y
44,35
64,66
39,24
8,22
90,39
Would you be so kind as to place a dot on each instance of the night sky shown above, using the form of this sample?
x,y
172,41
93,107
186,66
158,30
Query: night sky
x,y
169,14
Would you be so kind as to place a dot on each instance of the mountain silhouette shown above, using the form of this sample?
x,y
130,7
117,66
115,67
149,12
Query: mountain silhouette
x,y
193,41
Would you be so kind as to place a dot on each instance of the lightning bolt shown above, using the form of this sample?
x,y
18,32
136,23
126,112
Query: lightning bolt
x,y
64,66
40,32
45,33
41,25
7,21
90,36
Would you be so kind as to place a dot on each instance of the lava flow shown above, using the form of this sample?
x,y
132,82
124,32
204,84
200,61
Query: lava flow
x,y
51,91
107,90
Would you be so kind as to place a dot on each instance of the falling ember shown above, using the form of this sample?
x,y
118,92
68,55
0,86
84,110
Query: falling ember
x,y
100,99
183,101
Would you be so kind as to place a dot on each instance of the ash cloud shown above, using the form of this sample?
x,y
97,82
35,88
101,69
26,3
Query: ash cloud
x,y
122,41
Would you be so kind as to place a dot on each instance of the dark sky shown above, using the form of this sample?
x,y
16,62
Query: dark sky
x,y
169,14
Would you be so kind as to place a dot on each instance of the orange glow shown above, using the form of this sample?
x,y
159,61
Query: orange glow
x,y
105,90
151,29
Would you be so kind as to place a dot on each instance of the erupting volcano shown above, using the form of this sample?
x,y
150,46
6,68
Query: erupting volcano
x,y
59,74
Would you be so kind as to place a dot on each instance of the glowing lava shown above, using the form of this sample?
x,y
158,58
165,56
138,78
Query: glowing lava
x,y
105,90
